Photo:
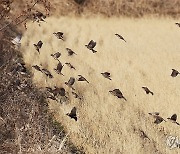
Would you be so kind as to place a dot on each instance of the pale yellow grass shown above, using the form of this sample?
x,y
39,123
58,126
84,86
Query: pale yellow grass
x,y
107,124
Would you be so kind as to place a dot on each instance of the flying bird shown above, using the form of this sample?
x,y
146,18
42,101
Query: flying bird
x,y
38,46
59,35
70,52
47,73
107,75
72,114
38,16
118,93
56,55
158,119
70,66
178,24
120,37
59,68
174,73
70,82
147,90
173,118
37,68
91,46
81,78
76,95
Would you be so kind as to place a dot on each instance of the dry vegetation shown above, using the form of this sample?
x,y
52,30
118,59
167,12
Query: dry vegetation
x,y
105,124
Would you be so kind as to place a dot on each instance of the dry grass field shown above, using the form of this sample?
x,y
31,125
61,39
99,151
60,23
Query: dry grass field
x,y
105,123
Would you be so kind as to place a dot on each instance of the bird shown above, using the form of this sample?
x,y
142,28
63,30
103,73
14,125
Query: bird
x,y
56,55
57,91
38,46
174,73
73,114
147,90
118,93
47,73
37,68
76,95
38,16
158,119
70,66
173,118
178,24
59,68
59,35
91,46
106,75
70,52
17,40
81,78
120,37
70,82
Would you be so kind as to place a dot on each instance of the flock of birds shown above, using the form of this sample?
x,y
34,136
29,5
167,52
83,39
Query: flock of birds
x,y
54,92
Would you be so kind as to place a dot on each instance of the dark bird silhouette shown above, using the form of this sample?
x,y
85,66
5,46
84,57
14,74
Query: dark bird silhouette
x,y
147,90
56,55
72,114
36,67
117,93
107,75
173,119
158,119
70,66
91,46
81,78
120,37
70,52
59,35
76,95
38,16
143,134
178,24
38,46
59,68
174,73
70,82
47,73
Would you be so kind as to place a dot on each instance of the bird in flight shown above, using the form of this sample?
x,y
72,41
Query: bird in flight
x,y
70,82
158,119
117,93
70,52
38,46
38,16
59,35
173,119
81,78
56,55
107,75
120,37
73,114
178,24
70,66
174,73
59,68
37,68
91,46
47,73
148,91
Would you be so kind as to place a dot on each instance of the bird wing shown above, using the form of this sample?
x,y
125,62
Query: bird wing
x,y
39,44
73,111
174,117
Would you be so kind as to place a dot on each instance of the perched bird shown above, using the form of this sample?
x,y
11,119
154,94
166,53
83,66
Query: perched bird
x,y
38,45
118,93
91,46
120,37
17,40
107,75
147,90
47,73
70,82
37,68
81,78
59,68
70,66
158,119
56,55
72,114
59,35
173,118
178,24
70,52
174,73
